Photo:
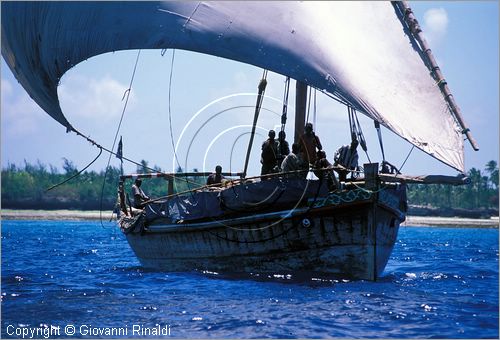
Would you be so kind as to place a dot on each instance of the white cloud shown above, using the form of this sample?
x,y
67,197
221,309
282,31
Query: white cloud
x,y
87,97
20,114
436,24
6,88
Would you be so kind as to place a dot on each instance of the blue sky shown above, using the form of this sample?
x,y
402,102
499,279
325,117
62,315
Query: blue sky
x,y
462,35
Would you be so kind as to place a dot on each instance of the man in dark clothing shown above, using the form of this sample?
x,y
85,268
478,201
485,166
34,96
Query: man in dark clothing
x,y
217,177
269,154
283,147
309,142
139,196
321,163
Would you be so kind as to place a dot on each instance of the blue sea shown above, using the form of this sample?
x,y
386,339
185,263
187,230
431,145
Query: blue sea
x,y
82,280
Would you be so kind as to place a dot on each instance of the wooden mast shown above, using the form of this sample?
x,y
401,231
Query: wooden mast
x,y
436,72
300,109
258,105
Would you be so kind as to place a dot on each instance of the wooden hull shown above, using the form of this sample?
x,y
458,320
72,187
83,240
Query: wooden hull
x,y
336,235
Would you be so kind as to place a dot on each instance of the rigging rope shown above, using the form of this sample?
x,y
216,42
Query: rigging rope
x,y
170,118
176,158
285,103
114,153
170,107
351,129
283,117
308,104
110,151
77,174
386,166
336,98
356,131
361,136
379,133
408,156
127,94
314,109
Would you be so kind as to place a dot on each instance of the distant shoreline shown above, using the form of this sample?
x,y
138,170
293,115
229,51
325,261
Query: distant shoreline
x,y
456,222
63,215
92,215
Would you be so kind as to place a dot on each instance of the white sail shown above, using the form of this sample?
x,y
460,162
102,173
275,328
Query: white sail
x,y
358,51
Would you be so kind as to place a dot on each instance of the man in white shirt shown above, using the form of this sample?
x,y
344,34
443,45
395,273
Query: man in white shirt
x,y
346,156
294,162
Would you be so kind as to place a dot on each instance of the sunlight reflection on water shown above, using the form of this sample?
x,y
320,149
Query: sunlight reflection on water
x,y
438,283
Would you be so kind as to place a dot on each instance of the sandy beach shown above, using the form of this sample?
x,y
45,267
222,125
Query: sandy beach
x,y
74,215
424,221
66,215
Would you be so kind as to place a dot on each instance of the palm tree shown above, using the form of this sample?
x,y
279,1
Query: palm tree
x,y
474,188
492,169
143,168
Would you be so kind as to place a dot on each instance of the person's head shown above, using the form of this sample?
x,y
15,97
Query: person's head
x,y
281,135
218,169
271,134
308,128
354,144
321,154
295,148
138,182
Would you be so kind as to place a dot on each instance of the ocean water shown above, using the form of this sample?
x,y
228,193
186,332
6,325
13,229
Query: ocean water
x,y
78,277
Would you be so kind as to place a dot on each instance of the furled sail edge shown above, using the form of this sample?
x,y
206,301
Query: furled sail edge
x,y
406,15
48,99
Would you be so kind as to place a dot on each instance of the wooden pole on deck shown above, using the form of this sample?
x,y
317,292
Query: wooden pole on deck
x,y
300,109
258,105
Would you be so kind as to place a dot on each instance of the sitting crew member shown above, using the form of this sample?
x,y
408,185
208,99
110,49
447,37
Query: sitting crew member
x,y
283,147
121,207
347,156
294,162
269,154
322,163
139,196
309,142
217,177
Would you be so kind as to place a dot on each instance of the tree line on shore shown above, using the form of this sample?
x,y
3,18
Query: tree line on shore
x,y
25,187
478,199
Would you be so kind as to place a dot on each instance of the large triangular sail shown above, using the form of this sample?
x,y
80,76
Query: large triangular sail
x,y
358,51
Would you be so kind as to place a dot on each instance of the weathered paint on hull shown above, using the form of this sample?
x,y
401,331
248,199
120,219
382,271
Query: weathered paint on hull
x,y
352,240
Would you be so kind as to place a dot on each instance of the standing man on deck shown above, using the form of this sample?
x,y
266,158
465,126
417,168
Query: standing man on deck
x,y
269,154
309,142
283,147
139,196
